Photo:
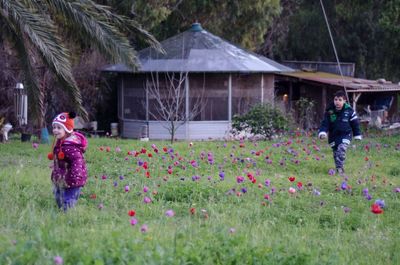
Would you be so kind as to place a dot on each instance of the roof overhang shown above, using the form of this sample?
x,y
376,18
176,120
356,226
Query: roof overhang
x,y
351,84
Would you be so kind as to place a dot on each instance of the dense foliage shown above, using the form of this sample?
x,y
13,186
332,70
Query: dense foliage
x,y
38,33
263,119
365,32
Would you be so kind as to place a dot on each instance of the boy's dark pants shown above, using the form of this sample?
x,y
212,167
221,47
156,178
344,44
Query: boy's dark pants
x,y
339,155
66,197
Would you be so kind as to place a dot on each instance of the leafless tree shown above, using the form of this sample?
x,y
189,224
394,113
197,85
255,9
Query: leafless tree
x,y
167,97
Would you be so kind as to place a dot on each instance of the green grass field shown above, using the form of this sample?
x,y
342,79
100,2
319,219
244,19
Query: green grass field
x,y
220,215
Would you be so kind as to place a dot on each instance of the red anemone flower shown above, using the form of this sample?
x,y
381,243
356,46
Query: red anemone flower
x,y
291,179
131,213
376,209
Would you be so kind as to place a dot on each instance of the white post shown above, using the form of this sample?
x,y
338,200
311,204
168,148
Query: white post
x,y
147,99
262,88
187,106
21,104
230,99
122,99
24,110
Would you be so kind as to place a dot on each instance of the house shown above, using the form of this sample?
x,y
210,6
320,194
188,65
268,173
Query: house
x,y
376,97
228,78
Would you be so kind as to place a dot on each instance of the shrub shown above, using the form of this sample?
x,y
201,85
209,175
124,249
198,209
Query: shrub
x,y
262,119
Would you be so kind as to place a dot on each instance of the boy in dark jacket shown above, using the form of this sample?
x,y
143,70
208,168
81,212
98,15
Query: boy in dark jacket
x,y
69,170
340,123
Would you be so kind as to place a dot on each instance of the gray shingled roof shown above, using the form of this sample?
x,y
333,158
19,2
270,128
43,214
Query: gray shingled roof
x,y
197,50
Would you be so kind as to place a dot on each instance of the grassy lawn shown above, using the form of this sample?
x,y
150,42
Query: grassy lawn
x,y
206,208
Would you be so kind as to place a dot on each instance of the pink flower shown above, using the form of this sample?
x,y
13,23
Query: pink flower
x,y
232,230
146,200
101,206
144,228
35,145
134,221
292,190
58,260
239,179
169,213
126,188
145,189
117,149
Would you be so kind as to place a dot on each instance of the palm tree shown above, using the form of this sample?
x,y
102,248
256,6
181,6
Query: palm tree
x,y
36,29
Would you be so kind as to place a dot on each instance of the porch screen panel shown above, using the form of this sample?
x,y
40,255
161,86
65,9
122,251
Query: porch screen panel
x,y
134,98
166,92
210,91
120,97
246,92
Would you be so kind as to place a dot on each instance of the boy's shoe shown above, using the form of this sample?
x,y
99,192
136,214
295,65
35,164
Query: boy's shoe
x,y
340,170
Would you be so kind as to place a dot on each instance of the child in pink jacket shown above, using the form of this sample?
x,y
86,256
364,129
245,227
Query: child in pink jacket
x,y
69,173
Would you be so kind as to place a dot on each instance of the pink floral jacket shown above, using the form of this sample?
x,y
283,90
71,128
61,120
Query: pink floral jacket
x,y
70,172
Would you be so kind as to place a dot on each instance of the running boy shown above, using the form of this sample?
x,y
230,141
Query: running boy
x,y
340,123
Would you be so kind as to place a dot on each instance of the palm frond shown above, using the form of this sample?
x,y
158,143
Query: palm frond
x,y
30,78
99,25
41,33
125,23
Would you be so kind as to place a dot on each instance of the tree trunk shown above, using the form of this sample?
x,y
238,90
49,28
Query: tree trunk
x,y
172,132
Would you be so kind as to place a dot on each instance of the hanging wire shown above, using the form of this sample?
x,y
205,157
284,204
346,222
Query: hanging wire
x,y
334,47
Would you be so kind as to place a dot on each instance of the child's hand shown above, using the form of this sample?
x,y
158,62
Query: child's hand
x,y
322,135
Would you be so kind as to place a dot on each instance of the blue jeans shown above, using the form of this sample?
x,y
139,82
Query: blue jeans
x,y
66,197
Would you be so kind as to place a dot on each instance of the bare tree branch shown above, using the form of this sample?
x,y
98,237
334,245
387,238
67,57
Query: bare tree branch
x,y
169,94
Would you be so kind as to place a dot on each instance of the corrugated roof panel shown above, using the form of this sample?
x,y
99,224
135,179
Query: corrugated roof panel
x,y
353,84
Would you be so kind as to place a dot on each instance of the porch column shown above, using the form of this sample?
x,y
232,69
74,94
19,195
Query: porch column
x,y
290,95
122,95
121,112
262,88
187,105
147,99
230,99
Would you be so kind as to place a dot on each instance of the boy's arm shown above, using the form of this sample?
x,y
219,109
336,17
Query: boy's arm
x,y
324,128
355,126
